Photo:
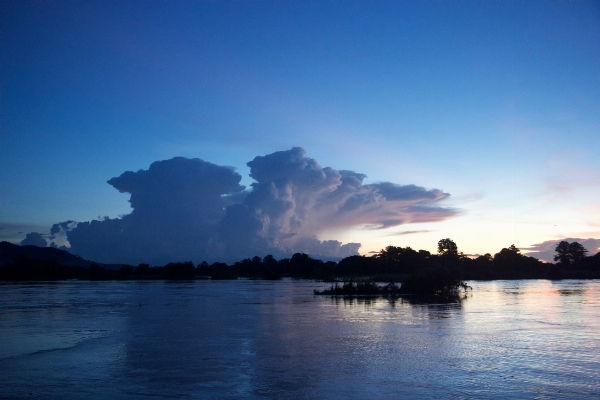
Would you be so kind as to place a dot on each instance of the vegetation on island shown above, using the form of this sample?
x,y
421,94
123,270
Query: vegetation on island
x,y
360,288
440,280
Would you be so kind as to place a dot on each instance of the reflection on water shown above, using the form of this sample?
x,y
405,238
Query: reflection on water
x,y
248,339
569,292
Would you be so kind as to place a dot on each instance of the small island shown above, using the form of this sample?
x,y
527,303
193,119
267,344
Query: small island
x,y
437,284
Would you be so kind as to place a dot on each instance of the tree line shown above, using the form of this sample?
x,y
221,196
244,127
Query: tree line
x,y
391,264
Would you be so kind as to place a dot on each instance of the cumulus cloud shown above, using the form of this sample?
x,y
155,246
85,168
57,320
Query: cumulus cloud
x,y
192,209
294,197
34,239
58,234
546,250
177,205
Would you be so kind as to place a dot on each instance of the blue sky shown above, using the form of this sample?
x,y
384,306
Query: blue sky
x,y
495,103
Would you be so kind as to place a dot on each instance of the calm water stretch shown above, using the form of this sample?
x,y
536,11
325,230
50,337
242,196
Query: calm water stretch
x,y
253,339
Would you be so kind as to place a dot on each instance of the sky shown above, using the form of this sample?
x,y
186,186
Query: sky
x,y
240,127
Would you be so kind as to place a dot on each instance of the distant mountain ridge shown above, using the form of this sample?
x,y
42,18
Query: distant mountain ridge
x,y
10,251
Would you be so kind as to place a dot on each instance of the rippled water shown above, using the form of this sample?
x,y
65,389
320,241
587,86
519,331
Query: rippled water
x,y
251,339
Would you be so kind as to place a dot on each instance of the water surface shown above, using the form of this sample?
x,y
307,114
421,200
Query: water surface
x,y
259,339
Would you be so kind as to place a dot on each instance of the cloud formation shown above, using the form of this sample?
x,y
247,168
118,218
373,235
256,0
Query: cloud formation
x,y
58,234
190,209
294,197
402,233
177,206
34,239
546,250
13,232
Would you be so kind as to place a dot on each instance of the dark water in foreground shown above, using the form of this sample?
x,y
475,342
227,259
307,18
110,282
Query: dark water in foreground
x,y
252,339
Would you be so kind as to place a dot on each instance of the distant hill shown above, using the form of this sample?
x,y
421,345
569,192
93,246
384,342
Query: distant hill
x,y
9,251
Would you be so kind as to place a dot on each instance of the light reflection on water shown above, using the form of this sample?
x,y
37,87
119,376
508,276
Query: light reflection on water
x,y
247,339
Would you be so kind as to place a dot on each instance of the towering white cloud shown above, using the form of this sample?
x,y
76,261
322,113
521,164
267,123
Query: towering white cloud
x,y
177,205
294,197
190,209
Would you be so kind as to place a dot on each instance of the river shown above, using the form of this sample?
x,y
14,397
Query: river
x,y
275,339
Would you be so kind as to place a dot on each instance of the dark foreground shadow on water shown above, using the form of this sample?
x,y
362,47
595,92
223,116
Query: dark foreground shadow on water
x,y
399,300
428,310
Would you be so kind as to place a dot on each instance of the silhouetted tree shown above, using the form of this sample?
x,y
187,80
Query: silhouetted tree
x,y
437,282
302,264
401,260
143,271
359,265
508,257
479,268
126,272
577,252
257,260
203,269
179,270
448,254
592,263
509,263
269,260
569,253
562,253
220,271
96,272
486,258
270,268
447,247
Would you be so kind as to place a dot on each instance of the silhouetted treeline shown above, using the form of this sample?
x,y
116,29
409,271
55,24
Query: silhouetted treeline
x,y
392,264
508,263
27,269
300,265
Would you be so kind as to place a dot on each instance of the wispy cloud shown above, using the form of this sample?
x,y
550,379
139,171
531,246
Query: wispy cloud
x,y
401,233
